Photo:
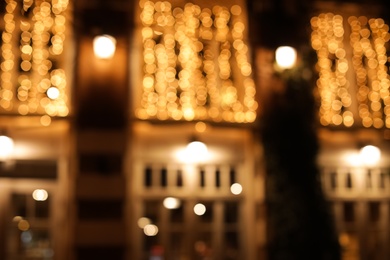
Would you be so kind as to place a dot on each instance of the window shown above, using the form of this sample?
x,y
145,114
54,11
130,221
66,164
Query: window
x,y
29,235
349,211
190,224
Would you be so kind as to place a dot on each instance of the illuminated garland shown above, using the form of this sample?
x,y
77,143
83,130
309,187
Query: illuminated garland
x,y
33,41
196,64
337,91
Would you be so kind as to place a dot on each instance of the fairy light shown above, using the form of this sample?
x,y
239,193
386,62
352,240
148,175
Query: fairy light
x,y
327,39
196,64
33,42
368,61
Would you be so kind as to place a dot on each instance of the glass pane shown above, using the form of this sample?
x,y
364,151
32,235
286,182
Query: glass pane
x,y
177,249
231,246
42,209
207,217
177,215
28,234
231,212
203,246
19,205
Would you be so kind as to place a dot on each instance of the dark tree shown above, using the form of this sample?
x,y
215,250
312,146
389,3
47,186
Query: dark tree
x,y
299,222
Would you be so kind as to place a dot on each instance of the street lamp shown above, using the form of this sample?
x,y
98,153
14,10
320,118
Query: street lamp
x,y
285,57
104,46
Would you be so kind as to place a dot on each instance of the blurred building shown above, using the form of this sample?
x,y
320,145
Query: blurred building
x,y
153,151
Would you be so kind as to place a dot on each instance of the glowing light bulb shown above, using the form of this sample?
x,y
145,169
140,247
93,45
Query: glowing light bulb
x,y
40,195
150,230
142,222
199,209
171,203
236,188
104,46
196,151
53,93
370,155
286,57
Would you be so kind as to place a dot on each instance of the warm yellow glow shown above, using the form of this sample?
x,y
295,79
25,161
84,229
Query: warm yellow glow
x,y
40,195
236,188
23,225
6,147
45,120
286,57
200,127
32,41
150,230
368,39
17,219
196,151
53,93
190,57
171,203
352,159
104,46
142,222
370,155
199,209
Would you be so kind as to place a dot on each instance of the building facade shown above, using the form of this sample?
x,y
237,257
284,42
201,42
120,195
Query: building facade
x,y
101,166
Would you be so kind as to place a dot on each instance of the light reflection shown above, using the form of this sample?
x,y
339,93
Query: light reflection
x,y
26,237
142,222
40,195
45,120
200,127
151,230
23,225
171,203
236,188
200,209
17,219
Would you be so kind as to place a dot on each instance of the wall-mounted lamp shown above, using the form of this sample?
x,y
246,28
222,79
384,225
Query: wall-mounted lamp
x,y
370,155
285,57
367,156
197,151
194,152
104,46
6,147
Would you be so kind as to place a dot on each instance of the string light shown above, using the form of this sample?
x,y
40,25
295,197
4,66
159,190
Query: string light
x,y
367,39
196,64
32,47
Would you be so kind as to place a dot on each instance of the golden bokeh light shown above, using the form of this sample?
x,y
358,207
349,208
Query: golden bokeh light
x,y
190,56
367,60
31,49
